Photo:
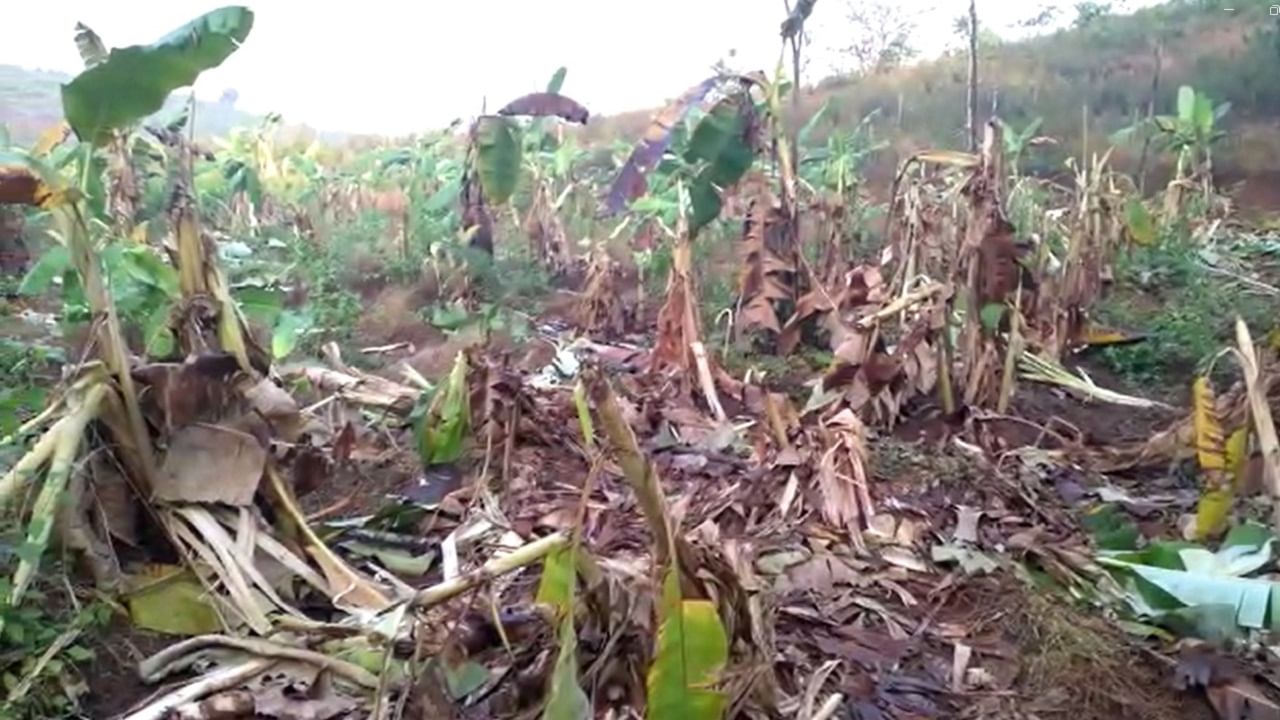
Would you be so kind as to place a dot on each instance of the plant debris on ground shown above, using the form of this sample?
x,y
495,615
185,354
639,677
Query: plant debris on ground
x,y
467,429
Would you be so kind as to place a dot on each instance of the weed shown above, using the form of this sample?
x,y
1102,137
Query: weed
x,y
1186,312
43,644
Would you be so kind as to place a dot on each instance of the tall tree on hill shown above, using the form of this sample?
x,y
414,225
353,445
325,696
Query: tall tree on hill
x,y
881,33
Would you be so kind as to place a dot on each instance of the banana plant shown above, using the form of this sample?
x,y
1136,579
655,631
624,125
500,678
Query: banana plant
x,y
837,165
1189,134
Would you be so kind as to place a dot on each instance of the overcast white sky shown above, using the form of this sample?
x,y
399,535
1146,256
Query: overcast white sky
x,y
400,66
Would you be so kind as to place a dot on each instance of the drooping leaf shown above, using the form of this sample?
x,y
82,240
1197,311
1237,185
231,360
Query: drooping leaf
x,y
630,182
92,51
567,700
442,426
498,157
543,104
1213,510
720,140
691,651
704,201
715,130
25,181
134,81
1209,441
557,80
50,138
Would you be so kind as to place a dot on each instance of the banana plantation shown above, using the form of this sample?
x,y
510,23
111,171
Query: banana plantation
x,y
493,423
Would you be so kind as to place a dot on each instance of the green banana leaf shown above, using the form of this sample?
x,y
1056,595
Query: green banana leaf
x,y
498,148
134,81
692,650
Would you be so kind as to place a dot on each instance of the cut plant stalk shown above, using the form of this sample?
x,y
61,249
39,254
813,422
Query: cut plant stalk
x,y
496,567
1043,370
60,452
1263,423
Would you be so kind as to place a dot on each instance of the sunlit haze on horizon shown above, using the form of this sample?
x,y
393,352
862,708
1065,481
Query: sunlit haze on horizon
x,y
399,67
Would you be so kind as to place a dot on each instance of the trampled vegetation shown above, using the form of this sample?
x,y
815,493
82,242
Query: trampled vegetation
x,y
490,424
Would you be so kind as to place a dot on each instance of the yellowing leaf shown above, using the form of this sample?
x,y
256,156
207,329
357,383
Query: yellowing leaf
x,y
1213,511
948,157
1098,335
176,604
1237,452
691,651
1208,437
51,138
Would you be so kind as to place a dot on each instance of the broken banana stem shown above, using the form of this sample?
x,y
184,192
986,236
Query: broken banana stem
x,y
527,555
204,687
900,305
635,466
158,666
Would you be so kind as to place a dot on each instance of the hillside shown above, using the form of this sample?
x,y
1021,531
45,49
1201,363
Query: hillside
x,y
30,102
1106,66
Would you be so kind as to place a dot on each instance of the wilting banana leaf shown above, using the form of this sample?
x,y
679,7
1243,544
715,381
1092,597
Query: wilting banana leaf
x,y
134,81
92,51
25,181
171,600
691,651
631,180
542,104
1214,506
442,425
498,157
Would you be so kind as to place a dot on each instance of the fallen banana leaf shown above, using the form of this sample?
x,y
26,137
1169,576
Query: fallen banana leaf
x,y
211,464
171,600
